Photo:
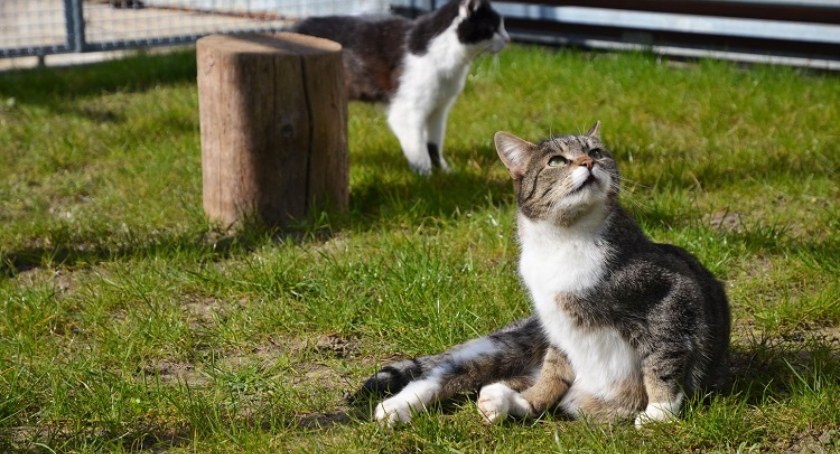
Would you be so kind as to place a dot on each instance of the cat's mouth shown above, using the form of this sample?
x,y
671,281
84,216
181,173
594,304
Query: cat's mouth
x,y
589,181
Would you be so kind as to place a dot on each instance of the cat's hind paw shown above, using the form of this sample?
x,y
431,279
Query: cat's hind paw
x,y
657,412
497,401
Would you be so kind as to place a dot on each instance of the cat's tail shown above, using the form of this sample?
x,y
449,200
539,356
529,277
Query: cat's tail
x,y
515,350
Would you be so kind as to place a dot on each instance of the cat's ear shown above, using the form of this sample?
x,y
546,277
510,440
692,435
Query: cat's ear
x,y
514,152
595,130
468,7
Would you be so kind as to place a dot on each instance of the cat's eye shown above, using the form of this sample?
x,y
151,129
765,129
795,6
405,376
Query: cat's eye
x,y
596,153
557,161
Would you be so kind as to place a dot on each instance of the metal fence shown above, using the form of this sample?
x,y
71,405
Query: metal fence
x,y
796,32
45,27
802,32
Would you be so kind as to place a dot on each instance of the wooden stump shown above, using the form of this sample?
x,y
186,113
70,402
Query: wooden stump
x,y
273,116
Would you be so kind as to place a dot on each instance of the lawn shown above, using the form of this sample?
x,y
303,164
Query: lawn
x,y
126,323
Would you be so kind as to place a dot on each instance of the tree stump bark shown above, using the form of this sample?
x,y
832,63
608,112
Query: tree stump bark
x,y
273,115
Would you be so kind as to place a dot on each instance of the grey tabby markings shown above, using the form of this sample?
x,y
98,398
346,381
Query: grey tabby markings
x,y
656,299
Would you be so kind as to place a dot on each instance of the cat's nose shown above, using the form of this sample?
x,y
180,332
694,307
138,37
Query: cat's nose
x,y
584,161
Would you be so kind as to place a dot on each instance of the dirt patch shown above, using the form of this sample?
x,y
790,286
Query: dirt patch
x,y
336,345
202,311
150,438
334,245
745,334
170,372
330,344
63,281
825,336
323,420
263,358
316,374
757,267
814,441
725,220
67,208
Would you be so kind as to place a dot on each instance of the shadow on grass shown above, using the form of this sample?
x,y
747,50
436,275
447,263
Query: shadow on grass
x,y
154,438
48,86
70,251
438,196
413,200
65,439
776,368
327,420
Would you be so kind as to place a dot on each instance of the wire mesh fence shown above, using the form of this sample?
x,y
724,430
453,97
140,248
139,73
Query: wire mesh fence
x,y
32,24
43,27
801,32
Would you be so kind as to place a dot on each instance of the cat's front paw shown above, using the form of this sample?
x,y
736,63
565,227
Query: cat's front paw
x,y
393,410
497,401
444,166
657,412
421,168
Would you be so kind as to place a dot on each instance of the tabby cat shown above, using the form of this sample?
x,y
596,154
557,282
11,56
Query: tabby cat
x,y
622,327
417,68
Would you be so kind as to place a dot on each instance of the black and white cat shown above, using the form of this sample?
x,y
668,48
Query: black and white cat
x,y
417,67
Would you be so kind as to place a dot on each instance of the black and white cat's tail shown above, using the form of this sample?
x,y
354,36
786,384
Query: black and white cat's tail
x,y
512,354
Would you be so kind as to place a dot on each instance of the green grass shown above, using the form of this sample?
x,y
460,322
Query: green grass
x,y
126,324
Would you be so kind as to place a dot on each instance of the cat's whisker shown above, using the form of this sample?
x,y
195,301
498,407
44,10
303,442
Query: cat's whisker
x,y
635,202
634,183
496,65
628,194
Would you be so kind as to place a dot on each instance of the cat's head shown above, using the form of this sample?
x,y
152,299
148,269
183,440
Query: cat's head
x,y
560,179
481,26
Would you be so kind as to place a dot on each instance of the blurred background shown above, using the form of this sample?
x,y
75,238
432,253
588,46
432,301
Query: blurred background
x,y
798,33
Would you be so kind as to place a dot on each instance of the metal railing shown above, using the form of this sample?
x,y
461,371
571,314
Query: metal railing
x,y
46,27
798,32
803,32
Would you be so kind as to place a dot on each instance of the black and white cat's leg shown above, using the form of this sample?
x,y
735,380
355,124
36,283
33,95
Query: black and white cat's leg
x,y
548,385
409,125
436,130
503,355
414,397
454,373
394,377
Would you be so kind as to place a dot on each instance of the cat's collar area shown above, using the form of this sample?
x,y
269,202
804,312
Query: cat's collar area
x,y
587,224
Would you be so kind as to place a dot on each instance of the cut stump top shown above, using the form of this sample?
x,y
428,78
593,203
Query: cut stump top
x,y
277,43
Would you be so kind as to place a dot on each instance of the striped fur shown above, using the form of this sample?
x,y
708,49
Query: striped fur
x,y
623,327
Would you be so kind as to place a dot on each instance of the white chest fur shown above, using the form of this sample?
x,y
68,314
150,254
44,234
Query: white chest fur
x,y
436,77
558,262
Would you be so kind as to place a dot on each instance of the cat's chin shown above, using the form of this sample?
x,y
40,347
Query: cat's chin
x,y
590,193
582,209
591,183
